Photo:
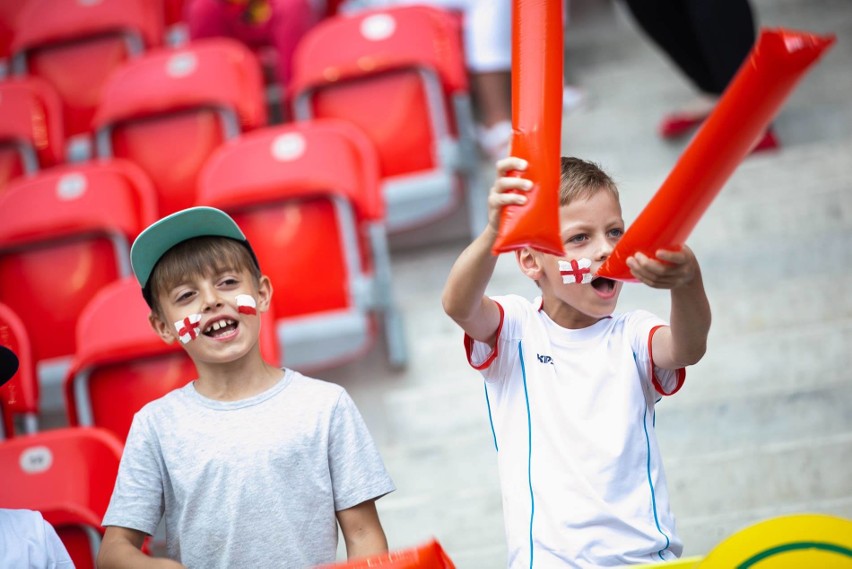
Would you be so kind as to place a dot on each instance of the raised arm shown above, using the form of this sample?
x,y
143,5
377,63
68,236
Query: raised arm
x,y
464,297
685,341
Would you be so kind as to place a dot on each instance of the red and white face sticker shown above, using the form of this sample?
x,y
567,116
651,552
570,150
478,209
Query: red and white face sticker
x,y
189,328
576,272
246,304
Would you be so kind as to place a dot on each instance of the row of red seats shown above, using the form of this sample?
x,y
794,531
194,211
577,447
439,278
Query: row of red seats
x,y
306,194
398,74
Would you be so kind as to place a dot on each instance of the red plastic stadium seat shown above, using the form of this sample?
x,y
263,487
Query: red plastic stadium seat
x,y
170,109
307,197
121,363
20,395
31,136
9,12
75,45
64,234
398,74
173,11
67,475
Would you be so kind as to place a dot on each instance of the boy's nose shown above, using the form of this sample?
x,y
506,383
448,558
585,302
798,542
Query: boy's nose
x,y
211,299
604,249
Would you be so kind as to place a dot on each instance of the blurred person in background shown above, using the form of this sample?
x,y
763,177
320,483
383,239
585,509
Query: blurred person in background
x,y
708,40
276,24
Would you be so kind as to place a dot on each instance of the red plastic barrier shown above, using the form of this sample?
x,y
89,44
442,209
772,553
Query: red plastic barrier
x,y
537,46
428,556
774,66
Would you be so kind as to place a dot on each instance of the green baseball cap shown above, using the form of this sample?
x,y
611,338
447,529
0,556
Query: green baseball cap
x,y
176,228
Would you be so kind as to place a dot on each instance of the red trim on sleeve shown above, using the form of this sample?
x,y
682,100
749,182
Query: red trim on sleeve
x,y
468,344
681,372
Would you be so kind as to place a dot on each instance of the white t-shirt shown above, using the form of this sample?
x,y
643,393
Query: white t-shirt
x,y
28,541
572,413
250,483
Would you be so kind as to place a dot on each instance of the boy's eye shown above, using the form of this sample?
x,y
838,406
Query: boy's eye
x,y
579,238
617,232
184,296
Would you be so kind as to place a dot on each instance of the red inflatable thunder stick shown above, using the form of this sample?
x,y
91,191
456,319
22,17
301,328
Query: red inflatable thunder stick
x,y
537,46
777,61
428,556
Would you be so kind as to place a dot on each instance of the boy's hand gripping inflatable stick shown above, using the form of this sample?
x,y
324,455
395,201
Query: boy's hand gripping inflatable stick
x,y
777,61
537,47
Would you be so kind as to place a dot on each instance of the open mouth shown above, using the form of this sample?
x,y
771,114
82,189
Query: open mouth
x,y
220,328
603,285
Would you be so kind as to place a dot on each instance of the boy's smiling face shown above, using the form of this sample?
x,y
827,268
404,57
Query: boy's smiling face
x,y
225,333
590,227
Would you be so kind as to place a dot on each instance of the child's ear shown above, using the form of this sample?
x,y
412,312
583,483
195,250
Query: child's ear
x,y
163,330
530,262
264,293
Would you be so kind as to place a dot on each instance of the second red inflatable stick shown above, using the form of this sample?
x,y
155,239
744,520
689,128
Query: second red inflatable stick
x,y
774,66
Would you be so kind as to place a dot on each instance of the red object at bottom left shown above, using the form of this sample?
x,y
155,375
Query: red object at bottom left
x,y
427,556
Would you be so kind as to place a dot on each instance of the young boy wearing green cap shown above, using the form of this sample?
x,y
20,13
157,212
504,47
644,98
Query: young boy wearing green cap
x,y
249,465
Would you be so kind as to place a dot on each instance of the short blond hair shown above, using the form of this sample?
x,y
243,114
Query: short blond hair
x,y
581,179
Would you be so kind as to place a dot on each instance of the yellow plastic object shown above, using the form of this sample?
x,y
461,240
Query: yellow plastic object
x,y
786,542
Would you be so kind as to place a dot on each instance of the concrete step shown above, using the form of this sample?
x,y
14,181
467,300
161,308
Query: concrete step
x,y
755,476
748,423
769,361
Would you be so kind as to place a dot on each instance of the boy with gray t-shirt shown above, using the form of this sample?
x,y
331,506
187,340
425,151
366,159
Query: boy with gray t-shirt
x,y
249,465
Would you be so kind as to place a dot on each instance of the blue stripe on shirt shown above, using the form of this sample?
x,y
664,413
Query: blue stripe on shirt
x,y
529,446
651,484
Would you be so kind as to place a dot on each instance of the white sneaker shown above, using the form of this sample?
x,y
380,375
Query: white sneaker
x,y
496,140
572,98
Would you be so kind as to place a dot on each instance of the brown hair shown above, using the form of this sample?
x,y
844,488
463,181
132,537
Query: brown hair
x,y
581,179
197,257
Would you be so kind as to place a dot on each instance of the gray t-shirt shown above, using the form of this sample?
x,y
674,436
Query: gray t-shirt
x,y
251,483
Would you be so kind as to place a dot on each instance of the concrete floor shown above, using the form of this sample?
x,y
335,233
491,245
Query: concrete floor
x,y
763,425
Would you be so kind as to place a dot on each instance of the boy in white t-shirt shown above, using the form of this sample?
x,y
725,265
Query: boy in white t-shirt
x,y
571,386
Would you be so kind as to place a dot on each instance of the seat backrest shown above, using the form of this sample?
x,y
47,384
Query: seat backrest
x,y
20,395
76,45
289,188
9,12
64,234
31,135
173,11
390,72
194,97
66,474
121,363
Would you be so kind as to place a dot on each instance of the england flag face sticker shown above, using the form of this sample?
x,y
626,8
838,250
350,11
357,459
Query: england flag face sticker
x,y
576,272
189,328
246,304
